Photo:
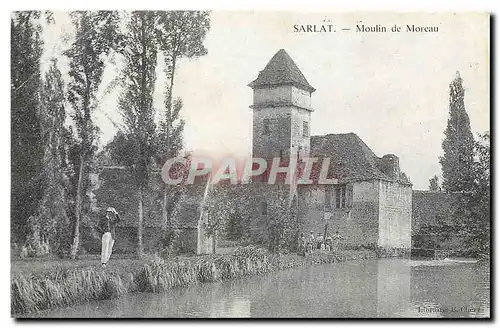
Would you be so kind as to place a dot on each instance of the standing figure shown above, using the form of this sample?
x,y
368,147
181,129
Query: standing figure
x,y
107,228
302,245
336,240
311,242
328,243
319,241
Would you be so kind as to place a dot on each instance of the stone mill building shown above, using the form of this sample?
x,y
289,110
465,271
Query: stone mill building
x,y
371,203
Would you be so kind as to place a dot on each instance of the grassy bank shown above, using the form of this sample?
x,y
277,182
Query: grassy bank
x,y
42,290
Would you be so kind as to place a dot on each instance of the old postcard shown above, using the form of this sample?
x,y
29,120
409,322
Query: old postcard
x,y
250,164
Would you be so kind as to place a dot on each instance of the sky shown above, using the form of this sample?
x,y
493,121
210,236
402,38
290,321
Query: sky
x,y
391,89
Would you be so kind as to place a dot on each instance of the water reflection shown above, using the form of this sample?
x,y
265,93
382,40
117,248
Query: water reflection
x,y
375,288
393,287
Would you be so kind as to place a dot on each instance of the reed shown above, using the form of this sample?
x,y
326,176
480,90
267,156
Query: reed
x,y
31,293
160,275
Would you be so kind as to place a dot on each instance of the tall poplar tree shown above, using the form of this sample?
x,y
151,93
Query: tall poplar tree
x,y
136,104
26,146
52,217
96,35
458,145
180,34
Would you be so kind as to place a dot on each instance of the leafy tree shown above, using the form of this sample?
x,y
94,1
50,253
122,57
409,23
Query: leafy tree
x,y
52,218
26,145
220,203
136,104
475,205
283,224
96,35
466,227
227,206
180,34
458,145
234,227
434,183
70,157
169,137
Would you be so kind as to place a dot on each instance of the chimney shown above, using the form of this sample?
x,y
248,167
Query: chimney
x,y
390,166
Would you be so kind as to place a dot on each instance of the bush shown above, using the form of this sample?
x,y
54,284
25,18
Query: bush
x,y
35,245
169,241
251,252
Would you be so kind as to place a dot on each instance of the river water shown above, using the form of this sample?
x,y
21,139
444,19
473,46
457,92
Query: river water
x,y
370,288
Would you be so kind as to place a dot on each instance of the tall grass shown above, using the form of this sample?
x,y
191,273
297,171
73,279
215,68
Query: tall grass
x,y
31,294
64,288
160,275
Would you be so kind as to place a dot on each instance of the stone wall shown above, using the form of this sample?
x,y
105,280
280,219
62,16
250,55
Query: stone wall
x,y
257,196
285,121
358,224
300,143
283,94
301,98
395,208
278,139
311,209
272,95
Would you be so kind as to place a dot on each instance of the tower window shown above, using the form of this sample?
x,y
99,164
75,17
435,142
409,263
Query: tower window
x,y
263,208
267,130
305,129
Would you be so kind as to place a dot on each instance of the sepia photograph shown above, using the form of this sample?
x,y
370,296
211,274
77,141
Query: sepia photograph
x,y
250,164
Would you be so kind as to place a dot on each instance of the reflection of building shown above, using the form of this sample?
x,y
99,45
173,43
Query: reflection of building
x,y
371,203
393,287
234,306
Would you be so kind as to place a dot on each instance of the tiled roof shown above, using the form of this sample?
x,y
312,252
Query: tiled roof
x,y
350,158
281,70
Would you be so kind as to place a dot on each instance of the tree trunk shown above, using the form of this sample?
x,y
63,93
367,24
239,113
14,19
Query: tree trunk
x,y
141,219
166,219
78,211
164,206
214,241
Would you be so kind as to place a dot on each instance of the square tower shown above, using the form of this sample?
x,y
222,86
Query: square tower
x,y
281,109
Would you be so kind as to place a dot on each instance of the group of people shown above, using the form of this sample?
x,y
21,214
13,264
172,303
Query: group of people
x,y
328,243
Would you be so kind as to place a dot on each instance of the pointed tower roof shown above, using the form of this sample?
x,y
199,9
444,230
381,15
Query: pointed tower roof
x,y
281,70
